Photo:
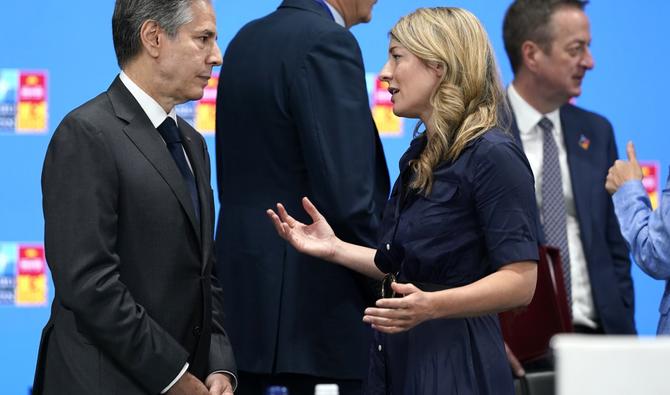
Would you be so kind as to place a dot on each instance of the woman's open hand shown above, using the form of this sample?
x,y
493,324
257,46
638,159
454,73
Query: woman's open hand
x,y
316,239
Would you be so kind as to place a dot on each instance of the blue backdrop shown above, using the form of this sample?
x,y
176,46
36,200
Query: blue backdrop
x,y
71,39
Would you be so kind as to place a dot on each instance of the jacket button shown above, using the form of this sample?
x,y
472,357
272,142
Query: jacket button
x,y
197,330
388,246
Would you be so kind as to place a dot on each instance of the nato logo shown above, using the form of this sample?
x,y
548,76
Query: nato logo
x,y
8,258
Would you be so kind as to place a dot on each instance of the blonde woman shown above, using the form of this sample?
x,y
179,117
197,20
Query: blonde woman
x,y
458,241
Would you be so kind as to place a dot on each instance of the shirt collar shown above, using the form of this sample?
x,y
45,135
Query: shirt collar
x,y
336,15
150,106
526,116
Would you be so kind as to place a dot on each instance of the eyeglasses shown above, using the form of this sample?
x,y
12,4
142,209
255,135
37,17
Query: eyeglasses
x,y
386,290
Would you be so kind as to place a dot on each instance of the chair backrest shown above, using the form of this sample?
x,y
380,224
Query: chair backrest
x,y
535,383
528,331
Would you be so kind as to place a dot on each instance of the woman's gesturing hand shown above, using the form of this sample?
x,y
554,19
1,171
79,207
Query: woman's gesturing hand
x,y
316,239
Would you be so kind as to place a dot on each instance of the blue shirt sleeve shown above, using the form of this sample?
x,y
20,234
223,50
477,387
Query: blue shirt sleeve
x,y
646,231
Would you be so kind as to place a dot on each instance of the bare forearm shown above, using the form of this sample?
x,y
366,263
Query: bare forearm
x,y
357,258
511,286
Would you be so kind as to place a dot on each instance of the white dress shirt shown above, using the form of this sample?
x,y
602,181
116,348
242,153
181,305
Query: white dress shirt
x,y
527,117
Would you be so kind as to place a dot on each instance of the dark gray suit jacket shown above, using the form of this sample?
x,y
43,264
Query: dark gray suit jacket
x,y
135,296
293,120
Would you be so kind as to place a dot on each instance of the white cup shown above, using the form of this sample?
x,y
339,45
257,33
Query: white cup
x,y
326,389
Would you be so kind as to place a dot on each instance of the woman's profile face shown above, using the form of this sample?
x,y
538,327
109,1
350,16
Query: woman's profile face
x,y
411,82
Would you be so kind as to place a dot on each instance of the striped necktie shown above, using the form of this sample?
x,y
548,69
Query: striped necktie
x,y
553,202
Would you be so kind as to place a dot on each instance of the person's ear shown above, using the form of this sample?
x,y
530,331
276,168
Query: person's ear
x,y
151,36
530,55
438,69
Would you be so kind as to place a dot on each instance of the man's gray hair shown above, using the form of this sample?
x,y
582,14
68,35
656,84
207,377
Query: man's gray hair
x,y
129,15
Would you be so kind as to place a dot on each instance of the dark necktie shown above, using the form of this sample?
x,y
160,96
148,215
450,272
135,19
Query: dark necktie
x,y
170,133
553,203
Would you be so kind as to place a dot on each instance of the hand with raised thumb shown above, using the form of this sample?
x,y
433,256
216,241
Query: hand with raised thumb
x,y
623,171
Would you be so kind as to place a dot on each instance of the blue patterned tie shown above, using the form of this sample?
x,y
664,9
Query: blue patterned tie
x,y
553,203
170,133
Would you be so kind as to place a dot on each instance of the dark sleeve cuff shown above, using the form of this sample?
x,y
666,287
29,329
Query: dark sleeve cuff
x,y
514,251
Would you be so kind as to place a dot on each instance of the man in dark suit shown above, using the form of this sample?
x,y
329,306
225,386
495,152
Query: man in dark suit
x,y
129,221
570,150
293,120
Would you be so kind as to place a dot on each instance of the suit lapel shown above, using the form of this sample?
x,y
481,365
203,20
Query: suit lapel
x,y
195,151
142,133
514,128
578,162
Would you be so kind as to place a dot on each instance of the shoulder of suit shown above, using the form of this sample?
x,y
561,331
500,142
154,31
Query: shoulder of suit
x,y
92,106
95,113
310,26
579,112
308,11
88,123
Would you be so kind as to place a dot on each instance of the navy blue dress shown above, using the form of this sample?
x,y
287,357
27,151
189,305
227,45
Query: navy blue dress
x,y
480,215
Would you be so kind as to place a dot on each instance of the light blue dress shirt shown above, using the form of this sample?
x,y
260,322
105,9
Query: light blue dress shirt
x,y
647,233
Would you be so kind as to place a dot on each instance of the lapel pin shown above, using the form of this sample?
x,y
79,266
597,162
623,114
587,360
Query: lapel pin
x,y
584,142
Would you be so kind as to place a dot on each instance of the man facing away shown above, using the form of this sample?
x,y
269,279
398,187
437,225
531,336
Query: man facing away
x,y
129,221
570,150
293,120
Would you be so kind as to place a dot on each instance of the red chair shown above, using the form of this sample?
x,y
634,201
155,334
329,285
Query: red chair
x,y
528,330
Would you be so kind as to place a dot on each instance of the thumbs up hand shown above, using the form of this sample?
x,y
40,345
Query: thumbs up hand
x,y
623,171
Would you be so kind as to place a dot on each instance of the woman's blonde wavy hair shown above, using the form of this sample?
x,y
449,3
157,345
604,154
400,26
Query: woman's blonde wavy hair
x,y
469,96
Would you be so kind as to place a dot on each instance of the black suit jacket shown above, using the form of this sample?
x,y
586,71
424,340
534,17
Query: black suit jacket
x,y
293,120
135,298
608,262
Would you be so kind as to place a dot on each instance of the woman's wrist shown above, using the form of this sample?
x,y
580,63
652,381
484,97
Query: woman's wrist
x,y
337,248
439,301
